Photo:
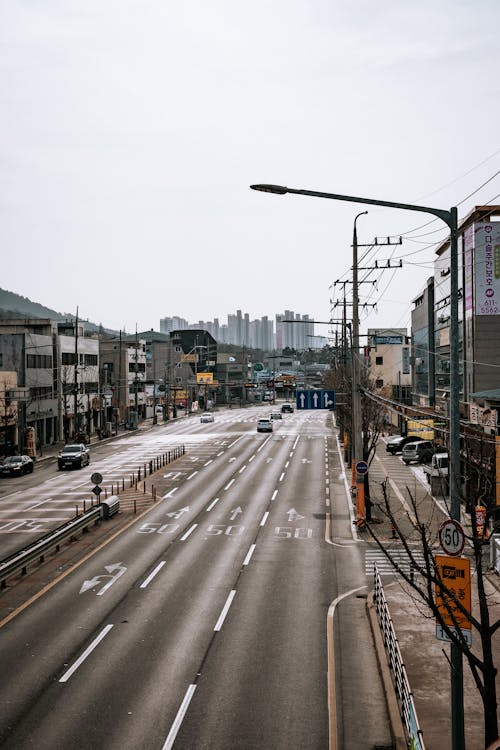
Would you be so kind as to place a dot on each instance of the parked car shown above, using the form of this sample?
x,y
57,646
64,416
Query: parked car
x,y
276,415
419,452
287,409
264,425
73,456
397,443
16,465
207,417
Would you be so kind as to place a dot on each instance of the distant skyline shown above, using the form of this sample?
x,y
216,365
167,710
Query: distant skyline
x,y
130,134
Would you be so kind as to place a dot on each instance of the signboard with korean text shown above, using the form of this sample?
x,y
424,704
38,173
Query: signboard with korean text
x,y
487,268
454,572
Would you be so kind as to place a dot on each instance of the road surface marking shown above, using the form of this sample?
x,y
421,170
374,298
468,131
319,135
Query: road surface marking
x,y
225,610
264,518
86,653
228,485
188,532
212,504
249,554
152,575
179,718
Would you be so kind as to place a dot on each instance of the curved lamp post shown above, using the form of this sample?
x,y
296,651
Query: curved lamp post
x,y
449,217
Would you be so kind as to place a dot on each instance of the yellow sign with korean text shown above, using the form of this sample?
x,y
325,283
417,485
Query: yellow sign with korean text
x,y
206,378
454,572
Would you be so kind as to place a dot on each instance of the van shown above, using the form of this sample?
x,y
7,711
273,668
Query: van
x,y
420,453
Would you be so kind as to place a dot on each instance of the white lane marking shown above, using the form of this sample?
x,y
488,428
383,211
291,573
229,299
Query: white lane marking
x,y
188,532
36,505
281,477
152,575
263,444
287,464
251,458
220,454
235,441
192,475
208,462
212,504
249,554
274,494
169,494
179,718
296,441
242,470
225,610
86,653
228,485
264,518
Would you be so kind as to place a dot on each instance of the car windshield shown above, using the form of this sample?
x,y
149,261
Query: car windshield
x,y
13,460
71,448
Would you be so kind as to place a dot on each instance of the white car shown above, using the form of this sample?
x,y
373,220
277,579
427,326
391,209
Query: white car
x,y
207,417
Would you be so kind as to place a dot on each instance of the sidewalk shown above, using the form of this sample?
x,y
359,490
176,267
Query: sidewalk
x,y
426,658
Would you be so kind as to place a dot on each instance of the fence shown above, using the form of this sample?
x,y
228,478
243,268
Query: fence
x,y
400,678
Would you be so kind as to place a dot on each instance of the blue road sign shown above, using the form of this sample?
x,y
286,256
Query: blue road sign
x,y
362,467
315,399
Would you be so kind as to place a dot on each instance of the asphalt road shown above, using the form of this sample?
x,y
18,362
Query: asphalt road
x,y
226,617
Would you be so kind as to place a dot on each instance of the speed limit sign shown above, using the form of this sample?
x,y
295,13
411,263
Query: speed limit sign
x,y
451,537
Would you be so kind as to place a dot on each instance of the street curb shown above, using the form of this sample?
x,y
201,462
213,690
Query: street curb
x,y
397,729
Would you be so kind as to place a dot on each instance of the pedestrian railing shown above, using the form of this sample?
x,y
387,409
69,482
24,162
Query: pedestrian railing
x,y
495,552
396,663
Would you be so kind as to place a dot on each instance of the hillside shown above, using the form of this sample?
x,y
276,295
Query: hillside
x,y
15,306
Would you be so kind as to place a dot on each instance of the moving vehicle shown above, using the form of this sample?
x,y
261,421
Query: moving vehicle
x,y
264,425
207,417
16,465
276,415
287,409
397,443
73,456
420,452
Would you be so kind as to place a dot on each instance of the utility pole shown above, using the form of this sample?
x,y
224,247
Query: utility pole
x,y
75,381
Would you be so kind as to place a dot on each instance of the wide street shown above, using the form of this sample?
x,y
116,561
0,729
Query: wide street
x,y
229,615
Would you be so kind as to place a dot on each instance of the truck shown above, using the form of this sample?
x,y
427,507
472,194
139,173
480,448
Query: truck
x,y
437,474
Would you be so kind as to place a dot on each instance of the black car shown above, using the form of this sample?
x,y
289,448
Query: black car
x,y
287,409
73,456
16,465
396,444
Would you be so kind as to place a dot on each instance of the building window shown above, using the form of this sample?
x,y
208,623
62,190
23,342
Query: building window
x,y
379,383
137,367
68,358
379,360
39,361
90,359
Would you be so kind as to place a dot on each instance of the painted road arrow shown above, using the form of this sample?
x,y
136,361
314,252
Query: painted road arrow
x,y
115,570
178,513
293,515
234,513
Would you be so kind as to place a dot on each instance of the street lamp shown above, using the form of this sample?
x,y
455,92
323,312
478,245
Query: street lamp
x,y
450,219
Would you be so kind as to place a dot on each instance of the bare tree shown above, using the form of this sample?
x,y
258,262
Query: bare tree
x,y
444,604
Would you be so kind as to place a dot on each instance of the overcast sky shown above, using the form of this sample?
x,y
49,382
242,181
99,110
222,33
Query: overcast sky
x,y
130,131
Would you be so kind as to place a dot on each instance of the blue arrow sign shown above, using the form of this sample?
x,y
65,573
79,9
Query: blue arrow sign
x,y
315,399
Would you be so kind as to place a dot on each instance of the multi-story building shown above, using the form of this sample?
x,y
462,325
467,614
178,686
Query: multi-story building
x,y
123,363
478,316
79,380
422,348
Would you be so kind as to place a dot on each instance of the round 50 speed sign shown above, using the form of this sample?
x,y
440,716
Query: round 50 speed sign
x,y
451,537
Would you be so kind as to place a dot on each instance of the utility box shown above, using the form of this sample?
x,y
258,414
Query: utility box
x,y
110,506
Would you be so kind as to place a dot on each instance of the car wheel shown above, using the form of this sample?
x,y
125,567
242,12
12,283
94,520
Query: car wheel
x,y
406,461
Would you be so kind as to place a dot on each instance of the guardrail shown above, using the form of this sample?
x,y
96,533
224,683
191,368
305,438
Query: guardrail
x,y
401,684
36,551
